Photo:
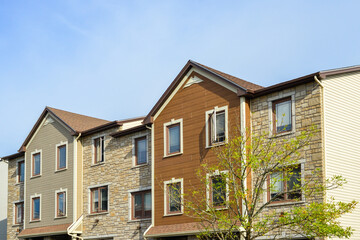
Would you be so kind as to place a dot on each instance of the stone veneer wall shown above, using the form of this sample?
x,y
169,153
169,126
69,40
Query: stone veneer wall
x,y
308,111
15,193
119,173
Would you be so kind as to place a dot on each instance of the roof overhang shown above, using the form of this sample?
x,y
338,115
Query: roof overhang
x,y
44,231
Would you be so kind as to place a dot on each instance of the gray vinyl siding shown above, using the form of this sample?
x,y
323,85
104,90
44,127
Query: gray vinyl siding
x,y
46,139
342,140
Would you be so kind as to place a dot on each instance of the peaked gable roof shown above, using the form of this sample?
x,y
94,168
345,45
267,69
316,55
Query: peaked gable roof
x,y
238,83
76,123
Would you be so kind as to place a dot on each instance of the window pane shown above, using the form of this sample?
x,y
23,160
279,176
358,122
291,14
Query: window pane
x,y
277,184
174,138
97,150
61,202
141,153
218,191
294,183
138,206
36,159
62,156
104,199
220,127
19,212
174,197
283,116
147,201
21,171
36,208
95,199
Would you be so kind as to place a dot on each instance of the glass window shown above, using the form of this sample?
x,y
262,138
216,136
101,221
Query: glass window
x,y
173,138
21,168
141,150
19,213
282,115
99,199
61,204
174,197
61,155
36,164
284,190
218,190
141,205
36,208
99,150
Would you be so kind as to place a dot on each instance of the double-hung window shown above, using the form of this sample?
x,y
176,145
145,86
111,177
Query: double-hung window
x,y
19,213
35,208
61,204
216,126
282,115
141,150
173,196
173,142
36,164
99,199
141,204
98,150
218,189
61,157
20,171
285,186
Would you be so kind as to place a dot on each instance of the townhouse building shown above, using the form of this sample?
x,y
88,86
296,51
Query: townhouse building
x,y
202,106
73,179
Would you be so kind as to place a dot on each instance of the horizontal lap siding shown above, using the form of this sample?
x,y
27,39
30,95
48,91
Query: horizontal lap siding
x,y
342,140
190,104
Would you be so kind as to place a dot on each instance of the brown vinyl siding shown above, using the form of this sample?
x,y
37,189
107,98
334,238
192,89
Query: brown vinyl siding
x,y
190,104
46,139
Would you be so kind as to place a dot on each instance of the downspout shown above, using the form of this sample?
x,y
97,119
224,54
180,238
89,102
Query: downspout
x,y
318,81
152,180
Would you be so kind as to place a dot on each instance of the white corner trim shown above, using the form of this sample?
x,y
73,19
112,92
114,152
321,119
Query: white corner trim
x,y
66,202
75,180
270,101
152,175
207,125
166,125
31,162
173,180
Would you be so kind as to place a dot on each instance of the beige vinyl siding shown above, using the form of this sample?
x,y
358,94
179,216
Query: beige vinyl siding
x,y
342,139
49,134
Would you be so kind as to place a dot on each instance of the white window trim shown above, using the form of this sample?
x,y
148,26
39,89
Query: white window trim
x,y
130,203
173,180
62,143
14,212
89,197
93,150
172,122
281,95
31,163
207,125
66,202
17,171
265,195
209,187
146,135
31,207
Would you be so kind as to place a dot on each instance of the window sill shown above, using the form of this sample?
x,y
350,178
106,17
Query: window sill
x,y
97,164
274,204
281,134
140,165
60,170
172,155
99,213
216,145
34,221
139,220
173,214
60,217
17,224
35,176
19,183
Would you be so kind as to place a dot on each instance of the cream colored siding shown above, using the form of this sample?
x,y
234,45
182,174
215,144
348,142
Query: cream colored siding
x,y
131,124
342,139
3,199
49,134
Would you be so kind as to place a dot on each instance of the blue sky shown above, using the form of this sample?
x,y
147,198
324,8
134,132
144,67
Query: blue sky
x,y
114,59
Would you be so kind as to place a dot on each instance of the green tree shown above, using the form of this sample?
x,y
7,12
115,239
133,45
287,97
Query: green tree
x,y
253,175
